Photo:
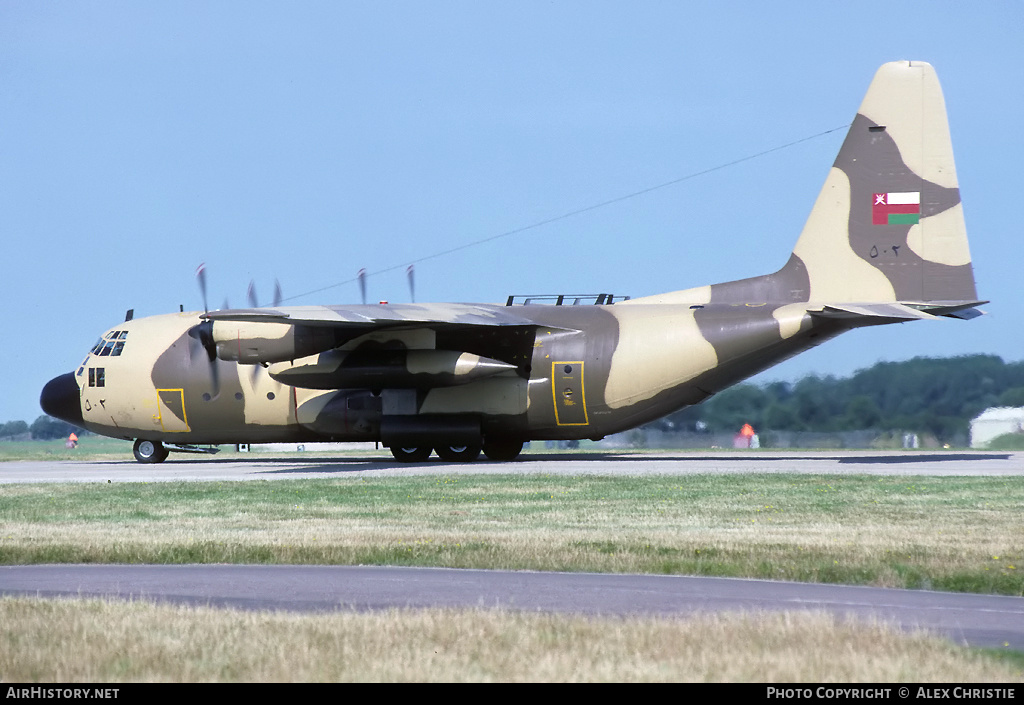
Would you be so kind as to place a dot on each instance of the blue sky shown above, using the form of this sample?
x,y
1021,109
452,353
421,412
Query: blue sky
x,y
303,141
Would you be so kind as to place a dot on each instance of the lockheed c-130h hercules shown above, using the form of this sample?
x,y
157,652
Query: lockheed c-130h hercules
x,y
885,243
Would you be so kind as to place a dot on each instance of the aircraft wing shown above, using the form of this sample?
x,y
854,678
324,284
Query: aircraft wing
x,y
269,335
378,315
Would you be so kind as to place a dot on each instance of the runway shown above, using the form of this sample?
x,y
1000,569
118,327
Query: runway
x,y
318,465
978,620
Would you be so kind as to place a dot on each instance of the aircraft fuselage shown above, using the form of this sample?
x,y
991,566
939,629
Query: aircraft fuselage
x,y
577,372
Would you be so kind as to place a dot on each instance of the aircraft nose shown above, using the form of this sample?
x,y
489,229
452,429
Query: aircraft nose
x,y
61,399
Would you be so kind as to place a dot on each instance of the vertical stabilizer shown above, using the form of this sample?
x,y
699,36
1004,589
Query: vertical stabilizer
x,y
888,224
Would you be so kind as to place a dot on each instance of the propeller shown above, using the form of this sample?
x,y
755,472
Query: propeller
x,y
202,334
255,303
361,276
410,275
254,300
201,278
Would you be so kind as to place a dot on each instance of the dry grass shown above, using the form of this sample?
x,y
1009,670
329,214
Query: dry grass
x,y
100,641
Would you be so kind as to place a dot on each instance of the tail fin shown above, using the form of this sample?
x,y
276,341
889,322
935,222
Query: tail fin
x,y
887,228
888,224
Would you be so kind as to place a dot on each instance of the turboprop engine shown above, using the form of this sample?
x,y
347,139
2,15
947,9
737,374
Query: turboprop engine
x,y
251,343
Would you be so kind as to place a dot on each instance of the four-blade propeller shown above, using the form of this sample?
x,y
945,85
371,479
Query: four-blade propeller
x,y
202,333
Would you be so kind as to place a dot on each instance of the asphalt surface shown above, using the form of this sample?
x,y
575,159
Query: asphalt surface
x,y
978,620
256,466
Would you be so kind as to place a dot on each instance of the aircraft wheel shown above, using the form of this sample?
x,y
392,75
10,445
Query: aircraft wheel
x,y
416,454
149,451
458,454
502,448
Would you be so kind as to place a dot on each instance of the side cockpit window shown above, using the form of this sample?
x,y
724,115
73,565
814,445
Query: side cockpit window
x,y
110,345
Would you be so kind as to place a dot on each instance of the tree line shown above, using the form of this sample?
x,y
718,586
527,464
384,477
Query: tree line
x,y
937,396
44,428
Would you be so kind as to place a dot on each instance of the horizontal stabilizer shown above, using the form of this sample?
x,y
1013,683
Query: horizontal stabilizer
x,y
965,314
885,312
895,312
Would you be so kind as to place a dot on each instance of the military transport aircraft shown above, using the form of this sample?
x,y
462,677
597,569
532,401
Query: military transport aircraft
x,y
885,243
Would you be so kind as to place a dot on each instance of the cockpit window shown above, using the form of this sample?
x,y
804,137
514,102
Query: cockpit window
x,y
111,344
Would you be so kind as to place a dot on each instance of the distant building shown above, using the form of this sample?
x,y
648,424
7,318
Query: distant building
x,y
996,422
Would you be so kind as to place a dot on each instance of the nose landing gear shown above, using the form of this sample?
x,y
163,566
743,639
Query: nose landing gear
x,y
149,451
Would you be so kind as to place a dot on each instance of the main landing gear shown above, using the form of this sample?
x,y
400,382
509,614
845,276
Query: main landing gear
x,y
502,449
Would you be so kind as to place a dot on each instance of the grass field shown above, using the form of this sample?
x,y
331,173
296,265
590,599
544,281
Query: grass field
x,y
89,448
948,533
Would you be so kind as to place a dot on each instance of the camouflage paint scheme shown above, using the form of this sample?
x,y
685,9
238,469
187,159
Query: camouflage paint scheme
x,y
448,376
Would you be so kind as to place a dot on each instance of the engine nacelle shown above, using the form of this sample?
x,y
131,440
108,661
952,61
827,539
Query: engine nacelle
x,y
251,343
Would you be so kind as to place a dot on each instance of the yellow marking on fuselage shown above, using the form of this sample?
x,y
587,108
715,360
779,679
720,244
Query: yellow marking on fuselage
x,y
184,414
569,402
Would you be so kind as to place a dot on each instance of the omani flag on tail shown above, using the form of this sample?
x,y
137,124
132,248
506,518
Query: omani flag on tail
x,y
896,208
